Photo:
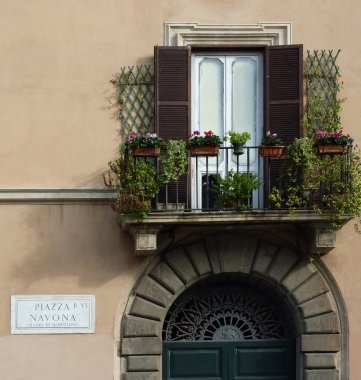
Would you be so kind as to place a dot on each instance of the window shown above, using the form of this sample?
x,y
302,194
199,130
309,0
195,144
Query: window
x,y
279,104
227,95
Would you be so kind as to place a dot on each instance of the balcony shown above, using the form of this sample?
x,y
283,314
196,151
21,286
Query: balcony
x,y
199,200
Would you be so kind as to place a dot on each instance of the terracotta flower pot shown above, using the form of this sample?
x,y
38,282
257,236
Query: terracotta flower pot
x,y
331,148
146,151
204,150
271,150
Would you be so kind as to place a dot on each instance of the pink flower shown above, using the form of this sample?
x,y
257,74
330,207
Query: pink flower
x,y
132,135
268,133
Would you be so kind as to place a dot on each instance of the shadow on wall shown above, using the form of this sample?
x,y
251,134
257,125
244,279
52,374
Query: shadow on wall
x,y
65,241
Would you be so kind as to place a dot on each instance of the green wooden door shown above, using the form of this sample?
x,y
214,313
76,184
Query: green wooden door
x,y
242,360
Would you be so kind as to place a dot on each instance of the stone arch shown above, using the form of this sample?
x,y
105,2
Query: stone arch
x,y
310,290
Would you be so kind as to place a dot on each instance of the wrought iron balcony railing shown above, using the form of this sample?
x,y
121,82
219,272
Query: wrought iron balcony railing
x,y
230,182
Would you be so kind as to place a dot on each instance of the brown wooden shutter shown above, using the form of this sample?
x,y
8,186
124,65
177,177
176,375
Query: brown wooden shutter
x,y
284,91
283,97
172,67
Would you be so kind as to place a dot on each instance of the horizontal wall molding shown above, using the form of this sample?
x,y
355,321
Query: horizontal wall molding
x,y
56,196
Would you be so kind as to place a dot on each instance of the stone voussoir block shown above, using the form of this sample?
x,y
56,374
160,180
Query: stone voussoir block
x,y
146,309
141,346
199,258
320,360
237,252
142,376
299,274
166,277
325,323
320,342
282,263
319,305
264,257
134,326
143,363
322,374
150,289
178,260
313,287
213,254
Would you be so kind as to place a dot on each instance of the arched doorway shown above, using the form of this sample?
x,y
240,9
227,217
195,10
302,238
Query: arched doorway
x,y
229,327
307,290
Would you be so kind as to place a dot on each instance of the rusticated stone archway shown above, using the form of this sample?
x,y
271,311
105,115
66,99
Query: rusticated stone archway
x,y
308,289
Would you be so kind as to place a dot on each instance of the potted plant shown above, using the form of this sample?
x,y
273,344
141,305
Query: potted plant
x,y
147,145
332,143
271,145
238,141
207,145
235,190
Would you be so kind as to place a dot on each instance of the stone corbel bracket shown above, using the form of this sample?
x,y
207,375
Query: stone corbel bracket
x,y
145,239
324,239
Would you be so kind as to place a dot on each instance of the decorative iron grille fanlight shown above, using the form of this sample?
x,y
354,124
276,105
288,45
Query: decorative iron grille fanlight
x,y
222,313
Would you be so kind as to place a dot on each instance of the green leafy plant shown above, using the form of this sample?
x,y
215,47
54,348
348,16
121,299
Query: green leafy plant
x,y
209,138
297,177
271,139
340,197
330,185
235,189
137,182
174,161
239,138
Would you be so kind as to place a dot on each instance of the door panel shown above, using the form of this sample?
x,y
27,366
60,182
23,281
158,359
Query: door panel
x,y
261,360
195,360
242,360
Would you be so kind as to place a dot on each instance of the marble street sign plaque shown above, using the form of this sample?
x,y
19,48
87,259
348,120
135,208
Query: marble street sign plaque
x,y
63,314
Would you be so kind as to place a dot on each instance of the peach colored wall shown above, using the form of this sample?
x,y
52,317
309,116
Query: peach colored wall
x,y
57,57
69,249
57,130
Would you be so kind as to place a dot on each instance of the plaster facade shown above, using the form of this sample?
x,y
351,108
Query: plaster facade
x,y
59,132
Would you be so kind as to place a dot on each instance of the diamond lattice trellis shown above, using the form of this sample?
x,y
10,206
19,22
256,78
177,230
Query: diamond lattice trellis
x,y
135,87
322,82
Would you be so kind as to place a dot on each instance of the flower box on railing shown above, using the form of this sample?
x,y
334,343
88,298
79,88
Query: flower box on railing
x,y
207,145
146,151
332,148
204,150
271,150
332,143
147,145
271,145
